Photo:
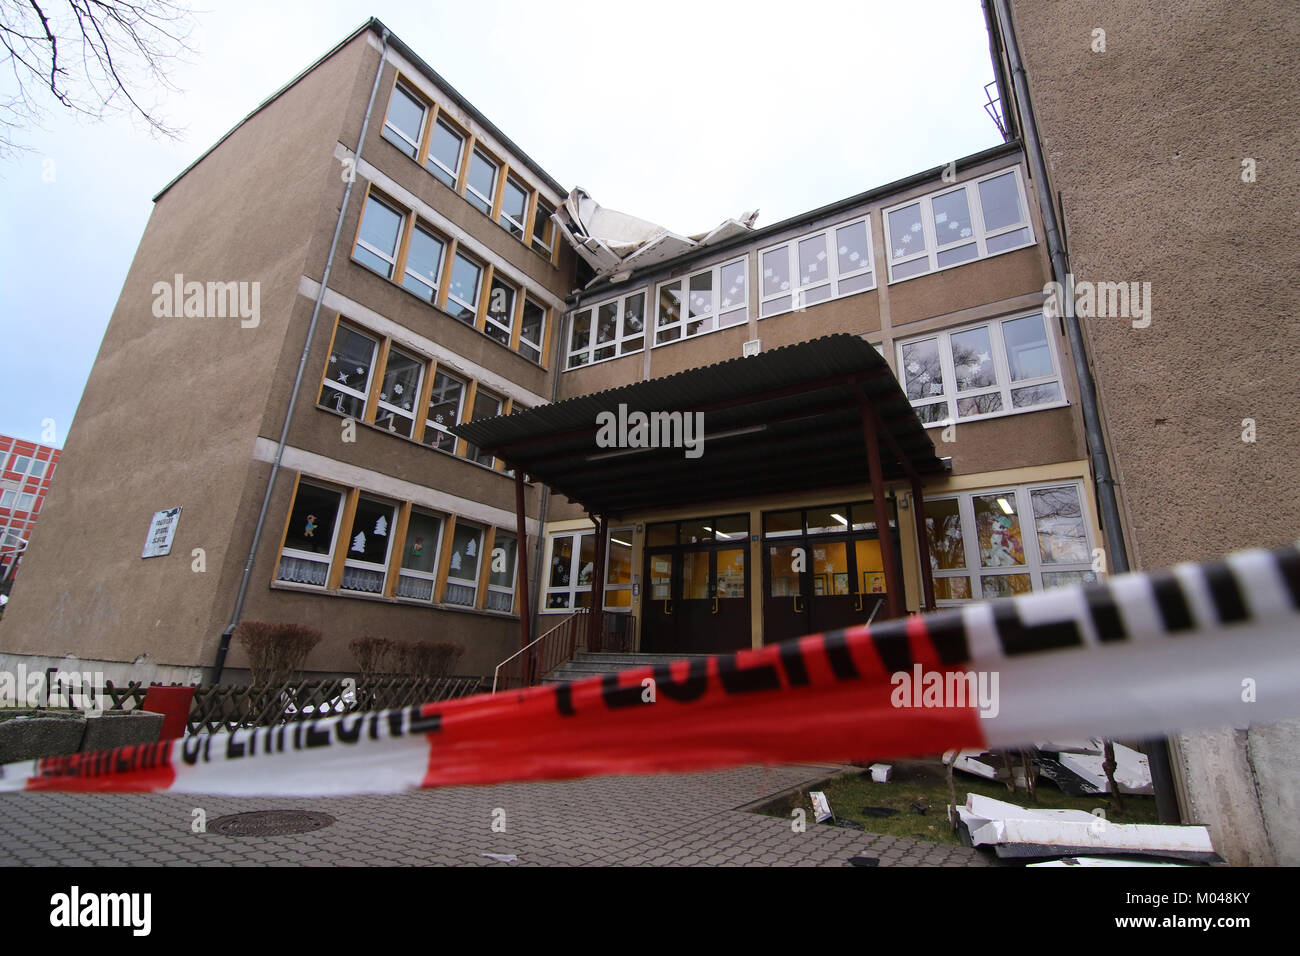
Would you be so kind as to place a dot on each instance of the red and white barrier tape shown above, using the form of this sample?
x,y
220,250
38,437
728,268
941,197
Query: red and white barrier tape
x,y
1200,646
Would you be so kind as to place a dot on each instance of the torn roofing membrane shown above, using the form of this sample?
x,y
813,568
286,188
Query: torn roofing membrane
x,y
613,242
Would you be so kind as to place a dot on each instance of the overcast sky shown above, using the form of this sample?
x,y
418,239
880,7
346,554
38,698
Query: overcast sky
x,y
684,113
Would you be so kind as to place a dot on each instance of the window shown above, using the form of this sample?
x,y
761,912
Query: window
x,y
532,329
976,219
309,539
445,407
826,265
618,571
381,228
404,127
462,569
481,185
619,329
712,299
347,376
543,228
26,502
365,567
571,567
998,368
446,146
501,310
424,263
514,207
21,464
462,296
420,550
37,469
486,405
7,498
988,544
501,574
399,392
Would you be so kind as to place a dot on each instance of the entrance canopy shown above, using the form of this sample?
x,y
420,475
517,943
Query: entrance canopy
x,y
794,419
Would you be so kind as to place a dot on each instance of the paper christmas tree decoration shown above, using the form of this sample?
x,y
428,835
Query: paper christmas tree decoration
x,y
381,527
359,542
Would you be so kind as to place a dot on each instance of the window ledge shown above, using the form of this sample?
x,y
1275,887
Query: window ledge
x,y
385,599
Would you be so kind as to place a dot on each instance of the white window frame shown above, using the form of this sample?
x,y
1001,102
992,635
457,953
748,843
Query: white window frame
x,y
572,589
478,566
509,222
538,243
7,498
833,275
18,465
343,387
38,468
460,153
1004,387
625,533
980,235
328,557
460,411
374,250
541,335
1034,565
621,337
496,174
424,119
430,576
514,306
514,577
413,415
472,452
358,563
478,286
684,319
419,277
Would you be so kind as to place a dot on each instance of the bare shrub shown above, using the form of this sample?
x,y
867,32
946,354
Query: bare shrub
x,y
374,655
276,652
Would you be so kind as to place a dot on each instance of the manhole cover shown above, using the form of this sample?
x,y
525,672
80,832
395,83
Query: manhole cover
x,y
270,823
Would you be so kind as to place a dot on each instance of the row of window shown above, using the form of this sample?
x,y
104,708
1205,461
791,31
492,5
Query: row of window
x,y
402,247
370,379
349,540
994,543
27,467
19,500
979,218
571,560
458,160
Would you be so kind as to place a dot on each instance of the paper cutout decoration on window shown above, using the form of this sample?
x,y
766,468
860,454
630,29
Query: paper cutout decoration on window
x,y
310,530
417,549
381,527
471,548
359,543
397,389
455,560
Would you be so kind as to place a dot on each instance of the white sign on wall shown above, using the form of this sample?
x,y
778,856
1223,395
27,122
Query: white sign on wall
x,y
161,531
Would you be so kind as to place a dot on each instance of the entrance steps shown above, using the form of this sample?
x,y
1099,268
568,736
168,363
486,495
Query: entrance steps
x,y
588,664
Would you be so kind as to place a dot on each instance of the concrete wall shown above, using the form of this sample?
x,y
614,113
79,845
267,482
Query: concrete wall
x,y
1145,143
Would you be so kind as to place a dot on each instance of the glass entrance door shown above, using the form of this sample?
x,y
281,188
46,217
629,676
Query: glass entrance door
x,y
698,587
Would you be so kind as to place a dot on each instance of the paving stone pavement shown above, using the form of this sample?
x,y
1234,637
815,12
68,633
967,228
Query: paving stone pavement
x,y
667,820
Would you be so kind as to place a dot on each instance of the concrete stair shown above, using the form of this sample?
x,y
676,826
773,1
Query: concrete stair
x,y
586,664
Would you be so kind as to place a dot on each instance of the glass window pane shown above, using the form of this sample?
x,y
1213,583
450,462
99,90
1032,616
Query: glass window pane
x,y
1007,240
502,569
1058,516
580,336
732,286
661,577
607,324
501,310
979,405
1005,585
950,257
998,529
951,217
445,147
465,277
972,359
778,524
561,561
444,411
1062,579
1028,354
311,521
922,371
697,531
952,589
776,271
854,284
620,557
905,235
695,576
347,377
400,389
420,550
830,567
783,580
514,206
406,116
534,322
482,181
851,247
467,541
828,519
634,314
1035,395
587,561
670,304
943,527
916,267
380,228
658,535
1000,201
701,295
731,528
424,260
370,531
813,267
731,573
542,227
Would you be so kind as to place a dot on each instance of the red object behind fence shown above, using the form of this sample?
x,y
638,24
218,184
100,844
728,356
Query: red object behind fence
x,y
174,704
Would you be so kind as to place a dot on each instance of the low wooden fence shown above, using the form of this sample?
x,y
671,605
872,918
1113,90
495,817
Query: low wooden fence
x,y
226,707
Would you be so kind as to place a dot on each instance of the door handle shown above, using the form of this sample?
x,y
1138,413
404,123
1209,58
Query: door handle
x,y
857,601
798,609
715,605
668,606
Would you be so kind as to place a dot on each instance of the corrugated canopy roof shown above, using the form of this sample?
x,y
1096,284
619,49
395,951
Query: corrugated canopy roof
x,y
780,422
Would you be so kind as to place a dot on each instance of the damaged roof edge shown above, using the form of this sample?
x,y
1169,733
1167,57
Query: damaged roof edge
x,y
604,287
375,25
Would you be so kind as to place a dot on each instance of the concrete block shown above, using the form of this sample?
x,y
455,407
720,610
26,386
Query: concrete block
x,y
27,738
122,729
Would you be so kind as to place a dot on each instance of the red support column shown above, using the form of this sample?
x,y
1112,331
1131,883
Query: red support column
x,y
923,543
893,576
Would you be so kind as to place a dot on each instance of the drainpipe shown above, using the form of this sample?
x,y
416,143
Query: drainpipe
x,y
1157,749
224,646
540,548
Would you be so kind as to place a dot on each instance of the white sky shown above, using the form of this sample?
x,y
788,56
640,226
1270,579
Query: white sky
x,y
684,113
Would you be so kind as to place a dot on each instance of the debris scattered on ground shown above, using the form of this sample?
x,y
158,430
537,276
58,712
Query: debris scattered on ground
x,y
501,857
865,860
1105,861
1132,771
915,807
1018,832
848,824
821,806
880,772
880,811
979,762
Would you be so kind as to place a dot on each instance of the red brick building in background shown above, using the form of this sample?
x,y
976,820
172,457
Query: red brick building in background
x,y
26,468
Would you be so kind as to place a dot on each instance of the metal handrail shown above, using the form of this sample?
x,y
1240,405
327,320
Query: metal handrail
x,y
496,673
